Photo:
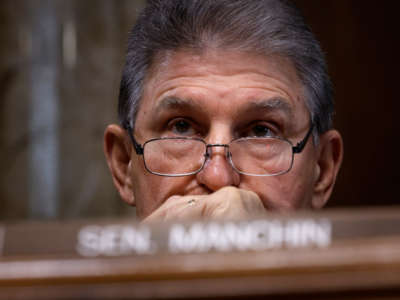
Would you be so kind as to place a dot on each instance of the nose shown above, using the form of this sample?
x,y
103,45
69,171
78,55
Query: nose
x,y
218,171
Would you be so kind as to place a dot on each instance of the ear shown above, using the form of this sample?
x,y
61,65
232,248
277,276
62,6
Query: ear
x,y
330,155
117,150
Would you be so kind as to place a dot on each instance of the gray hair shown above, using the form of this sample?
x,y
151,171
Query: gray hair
x,y
260,26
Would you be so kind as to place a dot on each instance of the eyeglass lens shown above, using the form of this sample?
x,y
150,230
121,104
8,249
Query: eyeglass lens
x,y
252,156
268,156
174,156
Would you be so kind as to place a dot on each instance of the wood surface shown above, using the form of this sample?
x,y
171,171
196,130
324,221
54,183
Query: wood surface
x,y
358,264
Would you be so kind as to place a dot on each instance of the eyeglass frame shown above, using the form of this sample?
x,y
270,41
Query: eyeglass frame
x,y
139,149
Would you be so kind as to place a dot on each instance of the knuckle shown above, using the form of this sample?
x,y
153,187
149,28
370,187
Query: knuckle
x,y
253,195
230,191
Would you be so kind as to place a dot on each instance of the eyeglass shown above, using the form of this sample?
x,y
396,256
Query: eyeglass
x,y
253,156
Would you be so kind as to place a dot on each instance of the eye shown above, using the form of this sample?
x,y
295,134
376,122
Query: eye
x,y
258,130
261,131
182,127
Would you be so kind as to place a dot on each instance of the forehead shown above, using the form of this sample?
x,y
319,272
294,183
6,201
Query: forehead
x,y
215,74
191,63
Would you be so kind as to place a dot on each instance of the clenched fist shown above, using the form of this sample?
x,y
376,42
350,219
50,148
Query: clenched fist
x,y
228,202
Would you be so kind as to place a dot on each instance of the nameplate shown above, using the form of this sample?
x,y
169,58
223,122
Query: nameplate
x,y
201,237
111,238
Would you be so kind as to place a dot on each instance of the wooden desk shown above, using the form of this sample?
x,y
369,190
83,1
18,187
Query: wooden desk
x,y
360,261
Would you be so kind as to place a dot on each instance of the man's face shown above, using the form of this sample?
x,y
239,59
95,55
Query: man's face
x,y
219,96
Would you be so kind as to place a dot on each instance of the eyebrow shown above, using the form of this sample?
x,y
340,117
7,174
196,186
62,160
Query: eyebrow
x,y
174,103
272,104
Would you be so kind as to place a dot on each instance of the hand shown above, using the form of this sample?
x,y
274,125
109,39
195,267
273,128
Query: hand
x,y
226,203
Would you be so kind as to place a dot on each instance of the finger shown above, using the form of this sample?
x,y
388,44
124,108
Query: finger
x,y
252,202
231,202
177,208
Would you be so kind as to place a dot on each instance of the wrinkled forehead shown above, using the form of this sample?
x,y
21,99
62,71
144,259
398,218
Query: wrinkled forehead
x,y
196,77
192,62
184,58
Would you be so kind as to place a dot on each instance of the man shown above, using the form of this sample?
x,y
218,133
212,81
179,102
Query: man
x,y
226,111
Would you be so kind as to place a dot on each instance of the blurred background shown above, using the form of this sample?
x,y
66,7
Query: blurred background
x,y
60,66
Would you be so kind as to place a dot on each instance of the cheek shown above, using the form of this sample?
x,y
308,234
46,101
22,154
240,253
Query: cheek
x,y
273,192
151,191
289,191
279,193
145,198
